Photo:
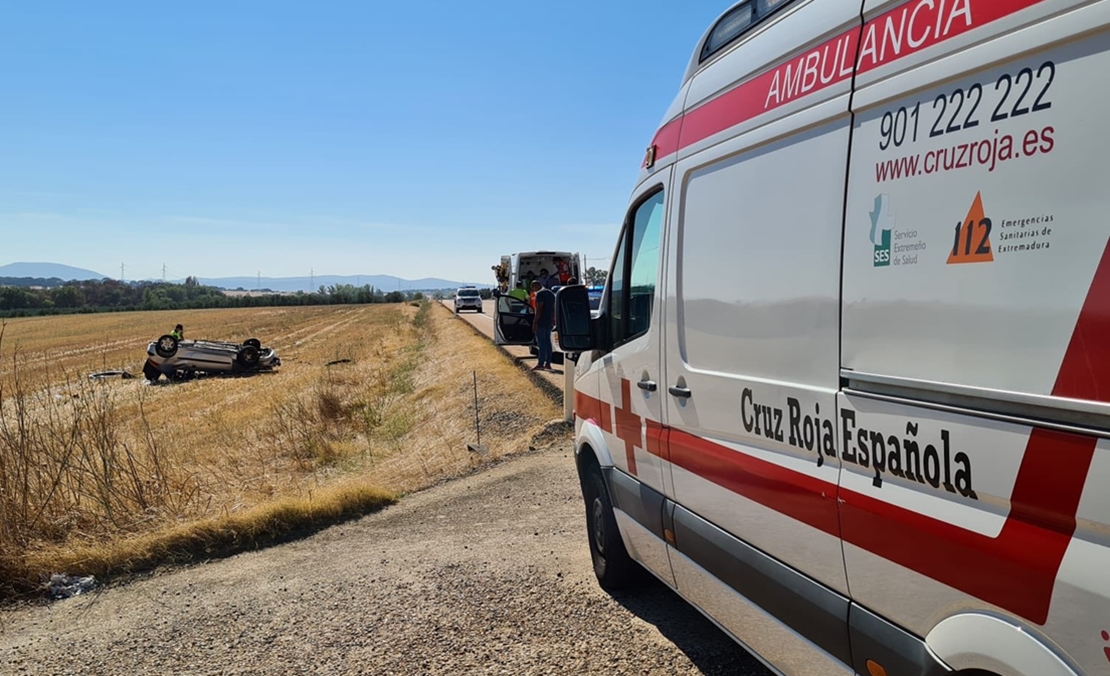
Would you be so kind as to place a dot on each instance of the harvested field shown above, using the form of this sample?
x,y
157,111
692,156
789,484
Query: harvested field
x,y
115,476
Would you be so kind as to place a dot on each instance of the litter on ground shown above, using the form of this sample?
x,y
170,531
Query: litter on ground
x,y
62,586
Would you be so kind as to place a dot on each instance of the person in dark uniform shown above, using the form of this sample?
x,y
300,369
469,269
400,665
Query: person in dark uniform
x,y
542,325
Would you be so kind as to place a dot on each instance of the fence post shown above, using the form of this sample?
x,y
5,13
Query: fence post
x,y
477,447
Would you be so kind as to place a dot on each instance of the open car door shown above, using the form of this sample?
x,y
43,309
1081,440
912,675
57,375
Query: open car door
x,y
512,321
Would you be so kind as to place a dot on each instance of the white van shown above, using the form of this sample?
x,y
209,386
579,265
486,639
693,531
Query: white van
x,y
512,318
848,391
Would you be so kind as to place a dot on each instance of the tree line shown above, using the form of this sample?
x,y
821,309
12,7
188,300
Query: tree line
x,y
110,295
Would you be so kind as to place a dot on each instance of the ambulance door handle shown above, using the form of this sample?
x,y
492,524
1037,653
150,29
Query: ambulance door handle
x,y
681,392
647,385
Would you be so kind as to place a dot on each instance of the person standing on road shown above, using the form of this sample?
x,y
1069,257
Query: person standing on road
x,y
542,325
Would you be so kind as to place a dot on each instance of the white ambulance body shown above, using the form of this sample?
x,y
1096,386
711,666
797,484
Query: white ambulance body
x,y
519,267
848,391
512,319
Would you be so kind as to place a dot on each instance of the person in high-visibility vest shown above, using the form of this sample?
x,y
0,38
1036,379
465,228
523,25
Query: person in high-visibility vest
x,y
178,332
519,293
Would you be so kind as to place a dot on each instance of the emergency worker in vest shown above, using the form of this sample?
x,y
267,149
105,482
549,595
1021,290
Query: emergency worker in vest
x,y
178,333
519,293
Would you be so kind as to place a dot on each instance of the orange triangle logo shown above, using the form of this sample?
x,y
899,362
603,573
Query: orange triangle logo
x,y
972,242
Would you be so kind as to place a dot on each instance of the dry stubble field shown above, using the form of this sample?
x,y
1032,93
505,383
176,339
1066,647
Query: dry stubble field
x,y
114,476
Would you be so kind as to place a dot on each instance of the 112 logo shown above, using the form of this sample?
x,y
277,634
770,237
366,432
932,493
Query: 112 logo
x,y
972,243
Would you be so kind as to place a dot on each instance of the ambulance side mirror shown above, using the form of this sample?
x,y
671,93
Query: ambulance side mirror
x,y
572,320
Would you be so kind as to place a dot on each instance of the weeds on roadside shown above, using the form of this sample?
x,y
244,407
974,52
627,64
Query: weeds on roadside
x,y
65,468
314,428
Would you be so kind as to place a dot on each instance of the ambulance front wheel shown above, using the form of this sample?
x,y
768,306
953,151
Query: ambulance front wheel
x,y
613,567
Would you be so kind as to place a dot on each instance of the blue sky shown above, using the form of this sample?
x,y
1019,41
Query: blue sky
x,y
410,138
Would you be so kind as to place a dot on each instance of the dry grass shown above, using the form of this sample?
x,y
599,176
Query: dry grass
x,y
117,476
268,523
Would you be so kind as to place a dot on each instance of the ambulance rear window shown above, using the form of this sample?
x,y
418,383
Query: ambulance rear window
x,y
737,22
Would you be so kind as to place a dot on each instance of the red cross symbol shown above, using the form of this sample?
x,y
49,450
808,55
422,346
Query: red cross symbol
x,y
629,427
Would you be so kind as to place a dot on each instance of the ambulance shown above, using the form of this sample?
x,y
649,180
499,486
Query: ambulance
x,y
512,318
848,388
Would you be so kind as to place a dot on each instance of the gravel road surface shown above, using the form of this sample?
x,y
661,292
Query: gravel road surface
x,y
488,574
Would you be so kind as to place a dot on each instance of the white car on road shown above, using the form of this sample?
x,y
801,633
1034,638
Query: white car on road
x,y
468,298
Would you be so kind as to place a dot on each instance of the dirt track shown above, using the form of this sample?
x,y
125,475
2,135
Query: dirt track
x,y
487,574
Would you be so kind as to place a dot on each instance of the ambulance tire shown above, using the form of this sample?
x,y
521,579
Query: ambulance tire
x,y
613,567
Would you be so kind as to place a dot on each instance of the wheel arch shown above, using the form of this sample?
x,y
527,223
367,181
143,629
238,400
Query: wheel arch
x,y
977,644
590,442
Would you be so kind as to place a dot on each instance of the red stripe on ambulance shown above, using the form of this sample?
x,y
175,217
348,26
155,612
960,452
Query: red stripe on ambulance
x,y
821,67
900,32
1016,570
799,496
1085,371
920,24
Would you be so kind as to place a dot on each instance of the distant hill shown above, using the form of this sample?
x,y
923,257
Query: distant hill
x,y
48,270
383,282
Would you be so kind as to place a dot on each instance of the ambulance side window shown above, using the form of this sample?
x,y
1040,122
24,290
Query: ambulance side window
x,y
634,277
737,22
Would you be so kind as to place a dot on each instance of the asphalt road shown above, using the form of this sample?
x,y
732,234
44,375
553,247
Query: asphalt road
x,y
483,321
488,574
